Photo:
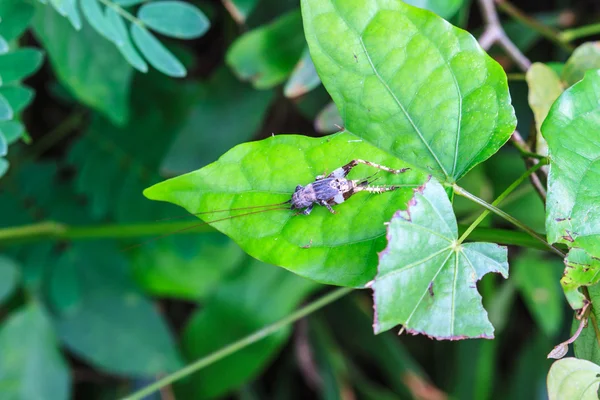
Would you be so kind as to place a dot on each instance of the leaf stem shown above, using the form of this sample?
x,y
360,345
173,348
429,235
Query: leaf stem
x,y
572,34
240,344
124,13
544,30
461,192
500,198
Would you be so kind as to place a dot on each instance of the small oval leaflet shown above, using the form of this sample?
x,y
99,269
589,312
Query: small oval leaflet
x,y
174,18
157,54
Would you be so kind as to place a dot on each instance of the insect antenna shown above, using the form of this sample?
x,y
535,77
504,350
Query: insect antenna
x,y
187,228
225,210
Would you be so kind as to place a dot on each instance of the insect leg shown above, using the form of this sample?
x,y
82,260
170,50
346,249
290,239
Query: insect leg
x,y
343,171
308,209
331,210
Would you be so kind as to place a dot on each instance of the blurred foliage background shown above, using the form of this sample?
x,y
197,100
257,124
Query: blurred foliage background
x,y
87,132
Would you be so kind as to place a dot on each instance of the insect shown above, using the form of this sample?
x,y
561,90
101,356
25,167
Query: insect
x,y
335,188
326,190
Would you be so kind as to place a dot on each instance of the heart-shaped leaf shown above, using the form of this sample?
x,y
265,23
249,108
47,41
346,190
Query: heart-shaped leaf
x,y
338,249
573,205
411,83
571,378
426,279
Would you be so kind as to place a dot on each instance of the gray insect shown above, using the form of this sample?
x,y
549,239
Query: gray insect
x,y
334,188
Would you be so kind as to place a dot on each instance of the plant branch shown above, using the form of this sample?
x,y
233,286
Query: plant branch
x,y
494,33
240,344
576,33
500,198
544,30
531,159
461,192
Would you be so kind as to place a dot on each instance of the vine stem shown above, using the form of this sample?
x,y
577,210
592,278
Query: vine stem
x,y
500,198
240,344
587,30
462,192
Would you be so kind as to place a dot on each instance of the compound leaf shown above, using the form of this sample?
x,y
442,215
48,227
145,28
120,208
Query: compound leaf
x,y
18,96
426,280
16,16
31,365
95,16
6,111
174,18
340,249
156,53
571,378
573,205
19,64
267,55
411,83
118,30
87,64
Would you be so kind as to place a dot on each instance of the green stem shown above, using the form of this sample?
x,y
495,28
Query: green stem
x,y
542,29
500,198
59,231
587,30
240,344
461,192
516,77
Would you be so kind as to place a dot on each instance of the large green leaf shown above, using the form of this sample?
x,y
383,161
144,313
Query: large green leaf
x,y
573,206
267,55
426,279
443,8
31,366
339,249
87,64
571,378
411,83
259,295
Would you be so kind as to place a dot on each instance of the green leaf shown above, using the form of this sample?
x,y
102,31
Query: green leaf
x,y
3,46
304,78
572,215
18,97
120,36
19,64
571,378
240,9
586,345
3,145
340,249
9,276
411,83
586,57
209,131
3,163
259,295
329,119
31,366
97,300
266,56
6,111
16,16
174,18
426,280
157,55
443,8
544,88
87,64
95,16
12,130
537,279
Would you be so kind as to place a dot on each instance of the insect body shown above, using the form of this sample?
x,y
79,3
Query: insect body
x,y
335,188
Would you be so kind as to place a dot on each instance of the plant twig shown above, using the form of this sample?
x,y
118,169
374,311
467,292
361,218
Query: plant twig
x,y
240,344
544,30
462,192
531,159
570,35
500,198
494,33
